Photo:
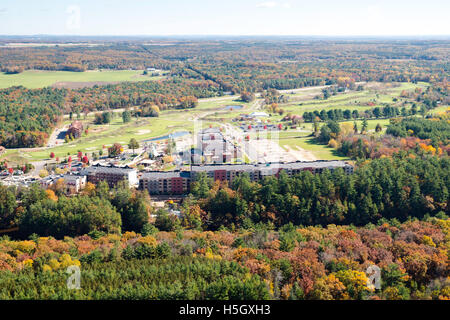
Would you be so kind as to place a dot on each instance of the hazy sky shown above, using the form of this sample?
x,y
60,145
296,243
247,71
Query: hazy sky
x,y
225,17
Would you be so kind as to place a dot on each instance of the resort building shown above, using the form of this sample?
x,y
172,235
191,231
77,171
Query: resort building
x,y
111,175
175,182
178,182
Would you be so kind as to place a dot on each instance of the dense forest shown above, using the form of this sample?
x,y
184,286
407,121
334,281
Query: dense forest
x,y
412,136
438,130
253,264
389,188
305,237
27,117
171,93
385,188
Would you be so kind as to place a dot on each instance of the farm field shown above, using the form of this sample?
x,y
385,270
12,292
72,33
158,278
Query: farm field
x,y
41,79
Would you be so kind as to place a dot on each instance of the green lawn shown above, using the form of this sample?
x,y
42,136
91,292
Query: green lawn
x,y
352,100
41,79
439,109
371,123
305,141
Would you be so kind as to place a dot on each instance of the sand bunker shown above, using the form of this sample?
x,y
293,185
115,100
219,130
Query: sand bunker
x,y
142,132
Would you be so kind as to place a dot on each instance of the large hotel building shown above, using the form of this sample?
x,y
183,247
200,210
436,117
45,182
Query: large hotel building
x,y
178,182
111,175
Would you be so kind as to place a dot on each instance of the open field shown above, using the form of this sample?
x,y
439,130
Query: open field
x,y
371,124
439,109
293,140
353,100
290,140
41,79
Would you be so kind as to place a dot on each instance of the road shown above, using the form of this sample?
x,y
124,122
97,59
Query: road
x,y
38,166
55,138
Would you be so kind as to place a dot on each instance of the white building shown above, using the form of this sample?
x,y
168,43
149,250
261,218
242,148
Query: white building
x,y
75,183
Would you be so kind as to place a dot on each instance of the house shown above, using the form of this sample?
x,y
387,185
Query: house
x,y
74,183
75,129
259,115
147,163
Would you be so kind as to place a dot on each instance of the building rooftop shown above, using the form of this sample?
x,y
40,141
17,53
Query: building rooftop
x,y
72,177
165,175
265,169
110,170
259,114
268,166
77,125
210,130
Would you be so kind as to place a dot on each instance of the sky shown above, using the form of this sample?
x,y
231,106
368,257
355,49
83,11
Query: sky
x,y
225,17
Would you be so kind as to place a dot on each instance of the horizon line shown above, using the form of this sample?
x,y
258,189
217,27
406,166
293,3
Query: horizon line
x,y
227,35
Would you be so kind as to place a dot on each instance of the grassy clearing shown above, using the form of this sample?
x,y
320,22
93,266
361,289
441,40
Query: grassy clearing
x,y
439,110
370,123
221,103
292,139
41,79
351,100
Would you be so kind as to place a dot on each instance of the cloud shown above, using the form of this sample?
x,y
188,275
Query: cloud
x,y
2,10
287,5
267,4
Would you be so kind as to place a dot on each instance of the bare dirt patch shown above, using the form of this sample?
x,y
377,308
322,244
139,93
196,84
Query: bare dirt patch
x,y
142,132
302,154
